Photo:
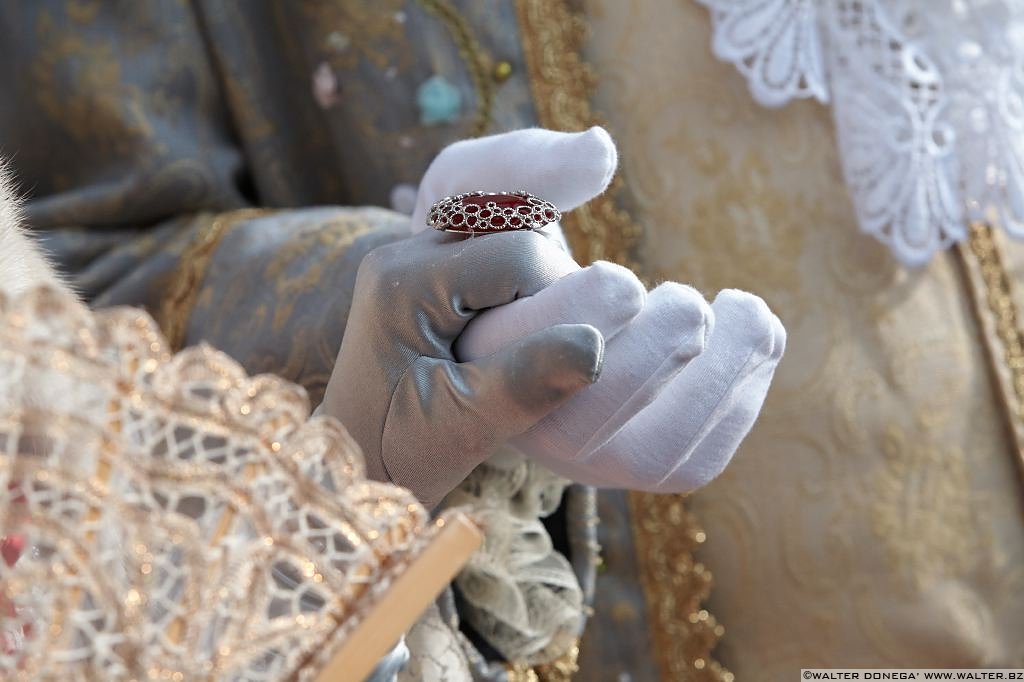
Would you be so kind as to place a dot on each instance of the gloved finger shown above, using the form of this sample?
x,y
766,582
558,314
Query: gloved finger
x,y
470,274
669,332
604,295
714,452
567,169
447,417
691,431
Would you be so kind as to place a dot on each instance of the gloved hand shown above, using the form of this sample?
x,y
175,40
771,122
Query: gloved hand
x,y
423,420
682,382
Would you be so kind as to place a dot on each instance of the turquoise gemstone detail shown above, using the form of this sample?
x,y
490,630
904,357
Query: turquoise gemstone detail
x,y
439,101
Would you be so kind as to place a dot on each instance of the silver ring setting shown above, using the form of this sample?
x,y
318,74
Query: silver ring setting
x,y
487,212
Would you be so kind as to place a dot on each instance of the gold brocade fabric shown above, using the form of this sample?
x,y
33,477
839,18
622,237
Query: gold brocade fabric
x,y
874,516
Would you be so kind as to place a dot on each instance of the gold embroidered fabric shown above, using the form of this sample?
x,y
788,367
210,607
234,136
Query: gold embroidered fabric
x,y
187,280
874,516
181,520
560,670
996,299
476,59
562,82
276,291
675,586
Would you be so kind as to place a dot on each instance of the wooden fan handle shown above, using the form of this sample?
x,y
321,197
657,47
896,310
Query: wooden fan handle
x,y
409,596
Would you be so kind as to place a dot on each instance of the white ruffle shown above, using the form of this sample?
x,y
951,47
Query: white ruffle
x,y
518,592
926,96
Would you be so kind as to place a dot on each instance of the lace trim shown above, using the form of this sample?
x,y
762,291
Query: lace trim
x,y
181,520
775,44
928,99
896,142
518,592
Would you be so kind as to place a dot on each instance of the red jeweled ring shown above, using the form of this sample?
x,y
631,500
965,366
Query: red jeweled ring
x,y
482,212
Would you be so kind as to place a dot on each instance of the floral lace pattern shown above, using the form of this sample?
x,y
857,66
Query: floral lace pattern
x,y
181,520
776,44
927,97
896,139
980,56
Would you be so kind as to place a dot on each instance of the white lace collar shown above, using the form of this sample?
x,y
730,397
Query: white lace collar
x,y
927,96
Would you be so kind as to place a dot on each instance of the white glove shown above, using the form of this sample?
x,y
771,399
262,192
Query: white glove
x,y
682,381
567,169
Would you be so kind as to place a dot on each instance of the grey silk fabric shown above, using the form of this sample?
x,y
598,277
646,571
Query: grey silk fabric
x,y
123,114
423,420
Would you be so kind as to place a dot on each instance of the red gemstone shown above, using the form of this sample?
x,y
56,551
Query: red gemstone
x,y
11,548
502,200
497,221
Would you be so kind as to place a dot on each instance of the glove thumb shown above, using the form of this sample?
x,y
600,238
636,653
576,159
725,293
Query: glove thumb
x,y
453,415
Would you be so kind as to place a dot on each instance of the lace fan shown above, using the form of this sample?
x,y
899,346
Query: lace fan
x,y
182,521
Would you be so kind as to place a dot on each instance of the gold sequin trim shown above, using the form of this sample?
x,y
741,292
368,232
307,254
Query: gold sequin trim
x,y
982,261
560,670
675,584
177,307
562,82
